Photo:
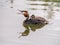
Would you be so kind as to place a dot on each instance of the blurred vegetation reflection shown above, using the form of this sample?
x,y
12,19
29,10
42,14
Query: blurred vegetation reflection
x,y
46,0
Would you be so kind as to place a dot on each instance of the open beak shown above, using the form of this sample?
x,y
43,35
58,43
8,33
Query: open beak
x,y
20,12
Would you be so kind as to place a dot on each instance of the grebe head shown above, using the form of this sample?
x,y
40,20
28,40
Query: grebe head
x,y
33,16
24,12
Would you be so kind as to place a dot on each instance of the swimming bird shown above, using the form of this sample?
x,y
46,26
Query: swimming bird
x,y
33,19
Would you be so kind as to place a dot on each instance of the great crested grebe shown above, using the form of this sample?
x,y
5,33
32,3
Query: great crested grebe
x,y
33,19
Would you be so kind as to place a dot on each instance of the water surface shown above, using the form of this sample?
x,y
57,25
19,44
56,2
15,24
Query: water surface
x,y
11,23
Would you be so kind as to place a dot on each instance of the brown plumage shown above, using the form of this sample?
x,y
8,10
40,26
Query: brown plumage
x,y
33,19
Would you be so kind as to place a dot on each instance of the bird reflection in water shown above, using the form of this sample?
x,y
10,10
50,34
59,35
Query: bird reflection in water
x,y
31,23
32,27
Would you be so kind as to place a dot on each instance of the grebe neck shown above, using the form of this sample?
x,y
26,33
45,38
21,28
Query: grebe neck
x,y
27,18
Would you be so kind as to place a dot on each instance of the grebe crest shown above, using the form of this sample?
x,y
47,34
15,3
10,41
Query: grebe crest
x,y
25,13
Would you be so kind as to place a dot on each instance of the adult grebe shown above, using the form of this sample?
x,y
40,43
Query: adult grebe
x,y
33,19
